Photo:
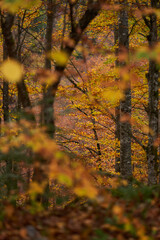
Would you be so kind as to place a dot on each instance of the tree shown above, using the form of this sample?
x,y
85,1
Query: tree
x,y
125,105
152,76
117,110
87,54
67,50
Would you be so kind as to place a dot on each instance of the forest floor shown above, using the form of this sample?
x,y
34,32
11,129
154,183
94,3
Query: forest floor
x,y
122,214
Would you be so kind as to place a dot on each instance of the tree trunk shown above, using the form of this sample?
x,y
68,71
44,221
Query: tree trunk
x,y
47,113
117,111
153,74
11,182
48,101
7,21
6,25
5,91
125,105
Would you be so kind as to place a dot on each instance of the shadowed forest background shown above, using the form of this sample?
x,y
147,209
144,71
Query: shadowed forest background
x,y
79,119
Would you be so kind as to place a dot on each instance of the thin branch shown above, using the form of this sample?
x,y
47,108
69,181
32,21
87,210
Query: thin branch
x,y
40,43
75,84
144,18
132,28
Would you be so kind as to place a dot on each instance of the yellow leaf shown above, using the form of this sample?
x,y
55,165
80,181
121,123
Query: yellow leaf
x,y
36,188
147,130
12,70
80,191
64,179
124,182
83,191
60,57
113,95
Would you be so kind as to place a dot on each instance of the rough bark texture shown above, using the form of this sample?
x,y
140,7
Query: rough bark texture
x,y
11,182
5,91
48,101
7,22
125,105
117,112
153,74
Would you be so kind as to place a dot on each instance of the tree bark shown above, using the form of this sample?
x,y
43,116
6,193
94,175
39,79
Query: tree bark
x,y
6,25
5,91
47,113
125,105
11,182
152,76
48,101
117,111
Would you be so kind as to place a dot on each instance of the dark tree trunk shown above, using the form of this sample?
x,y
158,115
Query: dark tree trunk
x,y
47,113
117,111
5,91
6,25
125,105
98,146
7,21
152,76
48,101
11,182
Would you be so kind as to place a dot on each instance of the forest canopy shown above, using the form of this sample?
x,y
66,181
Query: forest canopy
x,y
79,116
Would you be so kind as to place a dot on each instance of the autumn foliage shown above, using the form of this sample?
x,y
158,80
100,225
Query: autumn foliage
x,y
79,119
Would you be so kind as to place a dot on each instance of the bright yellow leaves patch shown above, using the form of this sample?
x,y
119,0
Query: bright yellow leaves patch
x,y
60,57
113,95
11,70
13,5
